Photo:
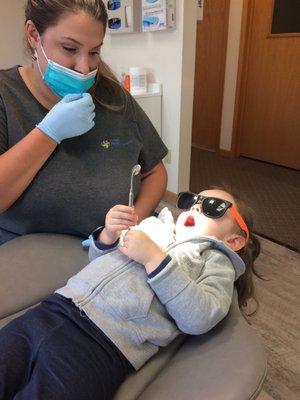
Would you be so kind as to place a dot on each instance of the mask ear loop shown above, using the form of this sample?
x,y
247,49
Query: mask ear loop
x,y
237,216
37,58
38,63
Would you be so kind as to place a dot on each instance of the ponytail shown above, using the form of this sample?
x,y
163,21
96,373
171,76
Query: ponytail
x,y
244,284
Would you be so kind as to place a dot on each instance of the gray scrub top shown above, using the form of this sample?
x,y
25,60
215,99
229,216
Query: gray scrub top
x,y
86,175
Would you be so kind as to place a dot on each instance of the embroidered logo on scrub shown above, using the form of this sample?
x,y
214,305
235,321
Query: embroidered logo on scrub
x,y
105,144
110,143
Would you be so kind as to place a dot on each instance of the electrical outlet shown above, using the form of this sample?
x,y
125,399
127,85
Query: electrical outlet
x,y
167,159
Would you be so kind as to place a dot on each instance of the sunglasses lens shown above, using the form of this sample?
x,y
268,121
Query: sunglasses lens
x,y
114,23
213,207
186,200
113,4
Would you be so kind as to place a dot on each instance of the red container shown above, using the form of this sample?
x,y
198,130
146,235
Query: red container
x,y
127,82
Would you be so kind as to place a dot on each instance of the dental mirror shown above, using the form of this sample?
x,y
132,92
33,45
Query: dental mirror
x,y
135,171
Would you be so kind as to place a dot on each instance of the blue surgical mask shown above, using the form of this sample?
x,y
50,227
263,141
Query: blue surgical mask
x,y
63,81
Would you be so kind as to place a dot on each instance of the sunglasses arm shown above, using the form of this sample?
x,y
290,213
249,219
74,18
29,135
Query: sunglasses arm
x,y
240,221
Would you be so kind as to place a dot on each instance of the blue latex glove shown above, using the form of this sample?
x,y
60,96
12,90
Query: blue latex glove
x,y
86,243
72,116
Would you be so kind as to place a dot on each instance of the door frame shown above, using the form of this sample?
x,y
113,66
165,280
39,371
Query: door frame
x,y
221,79
242,75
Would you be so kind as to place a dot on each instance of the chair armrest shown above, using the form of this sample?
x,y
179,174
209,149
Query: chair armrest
x,y
33,266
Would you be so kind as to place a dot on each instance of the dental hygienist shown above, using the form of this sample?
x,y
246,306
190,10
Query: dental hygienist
x,y
69,134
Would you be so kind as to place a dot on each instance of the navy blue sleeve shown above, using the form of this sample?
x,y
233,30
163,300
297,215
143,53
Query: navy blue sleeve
x,y
161,266
100,245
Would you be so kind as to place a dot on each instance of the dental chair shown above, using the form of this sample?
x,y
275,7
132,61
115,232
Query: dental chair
x,y
227,363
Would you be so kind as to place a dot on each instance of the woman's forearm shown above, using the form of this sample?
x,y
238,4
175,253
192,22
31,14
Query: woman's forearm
x,y
153,187
20,164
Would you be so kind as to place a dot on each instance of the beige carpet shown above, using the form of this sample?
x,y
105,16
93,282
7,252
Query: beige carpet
x,y
273,192
278,319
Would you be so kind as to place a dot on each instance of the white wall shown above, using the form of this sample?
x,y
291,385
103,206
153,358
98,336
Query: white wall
x,y
170,58
11,33
231,69
187,96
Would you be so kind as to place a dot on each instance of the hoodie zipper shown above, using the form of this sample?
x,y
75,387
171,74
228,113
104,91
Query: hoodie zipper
x,y
100,285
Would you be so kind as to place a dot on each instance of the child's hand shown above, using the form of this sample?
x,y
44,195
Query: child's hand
x,y
139,247
118,218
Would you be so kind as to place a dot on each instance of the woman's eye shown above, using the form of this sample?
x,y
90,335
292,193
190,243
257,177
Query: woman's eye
x,y
69,49
94,53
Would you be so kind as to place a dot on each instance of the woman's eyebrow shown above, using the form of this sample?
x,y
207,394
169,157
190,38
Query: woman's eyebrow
x,y
80,44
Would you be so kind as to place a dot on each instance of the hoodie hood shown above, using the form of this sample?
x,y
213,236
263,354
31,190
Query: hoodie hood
x,y
210,242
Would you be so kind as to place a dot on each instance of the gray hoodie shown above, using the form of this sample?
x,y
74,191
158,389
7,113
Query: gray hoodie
x,y
191,294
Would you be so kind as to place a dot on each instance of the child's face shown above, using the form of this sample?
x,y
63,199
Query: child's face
x,y
194,223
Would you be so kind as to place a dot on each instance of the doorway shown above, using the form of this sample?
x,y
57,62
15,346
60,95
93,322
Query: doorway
x,y
266,119
211,44
267,114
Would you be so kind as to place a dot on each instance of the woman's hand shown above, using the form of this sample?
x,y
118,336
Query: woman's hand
x,y
118,218
72,116
138,246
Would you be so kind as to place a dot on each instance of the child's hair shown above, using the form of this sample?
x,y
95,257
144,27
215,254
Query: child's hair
x,y
244,284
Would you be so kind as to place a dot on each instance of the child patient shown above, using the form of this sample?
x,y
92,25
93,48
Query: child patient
x,y
132,298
